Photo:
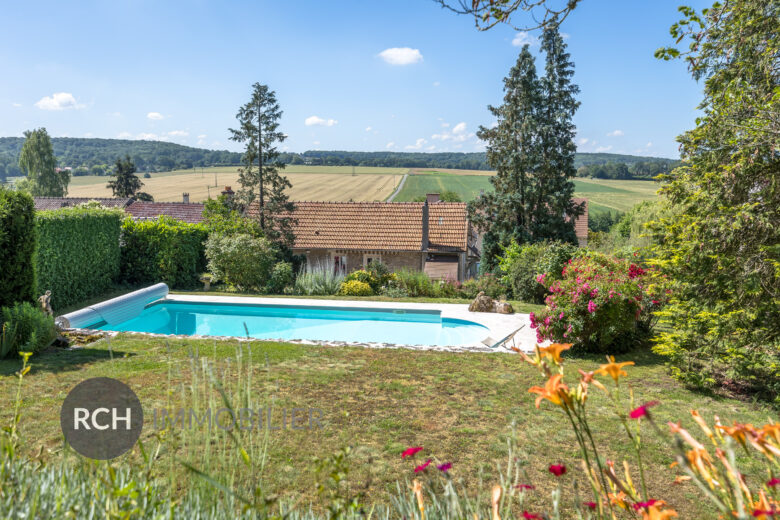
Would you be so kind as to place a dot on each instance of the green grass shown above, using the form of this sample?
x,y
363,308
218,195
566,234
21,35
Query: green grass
x,y
602,195
458,406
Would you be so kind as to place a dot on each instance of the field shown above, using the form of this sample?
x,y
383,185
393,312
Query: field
x,y
309,183
603,195
458,406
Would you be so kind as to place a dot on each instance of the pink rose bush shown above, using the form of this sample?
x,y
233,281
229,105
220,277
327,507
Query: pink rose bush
x,y
601,304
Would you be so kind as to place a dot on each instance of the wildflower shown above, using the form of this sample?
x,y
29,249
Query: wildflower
x,y
618,499
417,488
614,370
679,479
531,516
560,316
554,351
444,468
410,452
636,413
422,466
590,505
554,391
591,306
496,499
645,505
557,469
774,482
525,486
540,277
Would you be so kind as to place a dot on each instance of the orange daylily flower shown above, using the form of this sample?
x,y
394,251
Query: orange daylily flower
x,y
554,391
614,370
772,430
679,479
618,499
655,512
554,351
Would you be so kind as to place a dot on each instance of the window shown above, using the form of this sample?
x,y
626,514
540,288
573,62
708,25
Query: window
x,y
368,259
339,264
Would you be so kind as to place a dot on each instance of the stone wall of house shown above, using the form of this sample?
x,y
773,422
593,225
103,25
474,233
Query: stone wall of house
x,y
394,261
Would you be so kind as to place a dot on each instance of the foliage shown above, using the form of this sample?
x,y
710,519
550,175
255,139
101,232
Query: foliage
x,y
487,283
603,222
241,260
25,328
720,247
37,162
78,253
318,280
376,275
222,217
264,184
17,247
640,170
520,267
601,304
414,283
355,288
281,278
489,13
162,250
532,149
125,182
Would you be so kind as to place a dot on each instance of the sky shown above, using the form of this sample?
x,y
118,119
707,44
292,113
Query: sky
x,y
368,75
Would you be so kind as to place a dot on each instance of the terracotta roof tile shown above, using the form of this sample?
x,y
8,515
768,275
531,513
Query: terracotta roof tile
x,y
581,224
379,226
191,212
49,203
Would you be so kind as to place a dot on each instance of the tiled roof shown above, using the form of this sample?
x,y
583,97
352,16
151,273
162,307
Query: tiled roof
x,y
48,203
581,224
191,212
378,226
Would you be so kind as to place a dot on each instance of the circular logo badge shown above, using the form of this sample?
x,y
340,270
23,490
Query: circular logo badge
x,y
101,418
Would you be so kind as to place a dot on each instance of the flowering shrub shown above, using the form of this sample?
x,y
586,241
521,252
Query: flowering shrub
x,y
601,304
355,288
488,283
520,266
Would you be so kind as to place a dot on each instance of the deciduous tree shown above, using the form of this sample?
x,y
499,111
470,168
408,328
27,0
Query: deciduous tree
x,y
37,161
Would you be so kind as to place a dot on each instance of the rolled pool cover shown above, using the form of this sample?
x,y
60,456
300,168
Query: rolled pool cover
x,y
115,310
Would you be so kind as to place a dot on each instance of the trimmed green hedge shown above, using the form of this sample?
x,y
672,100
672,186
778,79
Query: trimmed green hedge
x,y
78,253
162,250
17,247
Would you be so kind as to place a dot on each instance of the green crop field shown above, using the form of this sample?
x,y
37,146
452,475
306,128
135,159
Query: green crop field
x,y
602,195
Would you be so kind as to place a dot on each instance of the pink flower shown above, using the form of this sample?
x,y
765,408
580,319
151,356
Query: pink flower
x,y
557,469
525,486
531,516
644,505
547,320
410,452
560,316
642,410
590,505
774,482
422,466
540,277
591,306
444,468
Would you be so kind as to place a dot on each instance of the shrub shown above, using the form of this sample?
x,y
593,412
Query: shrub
x,y
162,250
488,283
601,304
281,277
25,328
318,279
78,253
17,247
520,266
380,275
355,288
415,283
241,260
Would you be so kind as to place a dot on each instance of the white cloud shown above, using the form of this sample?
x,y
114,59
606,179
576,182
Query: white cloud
x,y
391,144
602,149
523,38
368,129
124,135
459,128
417,144
16,105
316,143
431,148
615,133
58,101
155,116
457,135
148,136
445,125
401,55
178,133
318,121
649,144
89,134
202,139
583,141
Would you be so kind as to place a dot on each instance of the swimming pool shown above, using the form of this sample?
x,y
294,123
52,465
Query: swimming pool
x,y
287,322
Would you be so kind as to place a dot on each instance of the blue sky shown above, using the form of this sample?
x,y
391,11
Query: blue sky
x,y
178,71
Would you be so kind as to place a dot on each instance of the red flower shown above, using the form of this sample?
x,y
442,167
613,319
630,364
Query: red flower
x,y
411,451
524,486
774,482
644,505
557,469
531,516
444,468
759,512
591,505
642,410
422,466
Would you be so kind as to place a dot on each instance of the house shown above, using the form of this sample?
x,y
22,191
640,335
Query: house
x,y
190,212
49,203
431,236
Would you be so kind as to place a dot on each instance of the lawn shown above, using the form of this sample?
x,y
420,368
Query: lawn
x,y
459,407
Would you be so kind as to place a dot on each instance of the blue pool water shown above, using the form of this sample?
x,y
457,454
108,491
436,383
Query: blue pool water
x,y
407,327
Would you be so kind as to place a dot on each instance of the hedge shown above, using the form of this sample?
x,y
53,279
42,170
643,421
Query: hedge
x,y
78,253
17,247
162,250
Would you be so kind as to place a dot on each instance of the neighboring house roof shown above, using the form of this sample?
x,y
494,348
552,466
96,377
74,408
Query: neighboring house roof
x,y
581,224
49,203
378,226
191,212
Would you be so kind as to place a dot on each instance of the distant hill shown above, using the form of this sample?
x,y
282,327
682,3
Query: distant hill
x,y
89,156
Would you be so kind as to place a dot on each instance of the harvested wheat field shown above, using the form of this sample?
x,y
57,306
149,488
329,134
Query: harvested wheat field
x,y
305,186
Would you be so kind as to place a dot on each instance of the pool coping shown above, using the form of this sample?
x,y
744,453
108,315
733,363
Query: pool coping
x,y
498,325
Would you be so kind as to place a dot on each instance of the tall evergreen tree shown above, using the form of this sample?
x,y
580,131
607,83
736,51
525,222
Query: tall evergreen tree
x,y
37,161
260,177
125,182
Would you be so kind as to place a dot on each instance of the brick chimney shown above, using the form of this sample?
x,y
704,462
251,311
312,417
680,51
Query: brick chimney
x,y
185,198
425,226
432,198
227,191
